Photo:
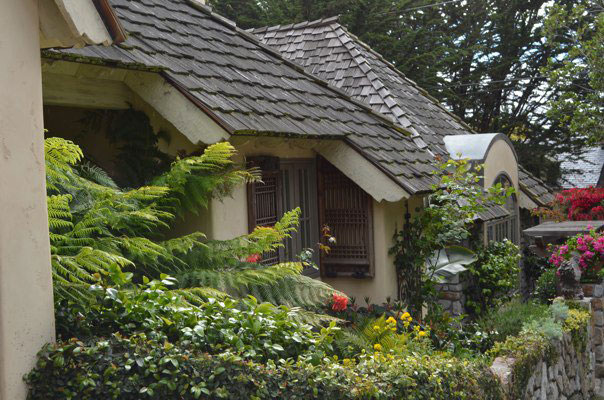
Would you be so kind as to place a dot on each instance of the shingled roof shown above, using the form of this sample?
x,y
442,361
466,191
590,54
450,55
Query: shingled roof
x,y
584,172
325,48
535,188
251,89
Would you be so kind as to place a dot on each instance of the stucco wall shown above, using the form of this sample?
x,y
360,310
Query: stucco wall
x,y
26,302
500,158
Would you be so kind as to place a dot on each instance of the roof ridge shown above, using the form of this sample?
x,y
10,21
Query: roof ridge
x,y
298,25
372,82
412,82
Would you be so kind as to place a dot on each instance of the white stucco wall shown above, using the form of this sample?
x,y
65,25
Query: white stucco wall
x,y
26,303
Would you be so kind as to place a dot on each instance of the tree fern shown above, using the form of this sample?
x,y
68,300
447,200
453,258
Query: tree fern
x,y
99,231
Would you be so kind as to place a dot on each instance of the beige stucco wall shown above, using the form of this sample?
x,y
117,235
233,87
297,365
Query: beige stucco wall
x,y
26,302
499,159
388,218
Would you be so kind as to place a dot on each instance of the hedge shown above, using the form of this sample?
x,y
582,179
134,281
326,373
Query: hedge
x,y
140,368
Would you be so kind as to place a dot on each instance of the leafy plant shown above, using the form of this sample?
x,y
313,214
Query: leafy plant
x,y
508,319
492,276
98,231
135,367
451,261
546,286
446,220
252,330
533,266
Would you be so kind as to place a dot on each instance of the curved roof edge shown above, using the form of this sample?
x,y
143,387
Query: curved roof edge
x,y
474,146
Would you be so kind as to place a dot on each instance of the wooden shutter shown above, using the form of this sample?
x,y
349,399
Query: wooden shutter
x,y
299,177
264,199
347,210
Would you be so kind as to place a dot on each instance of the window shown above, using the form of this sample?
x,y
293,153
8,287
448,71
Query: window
x,y
346,209
286,184
505,228
326,197
264,200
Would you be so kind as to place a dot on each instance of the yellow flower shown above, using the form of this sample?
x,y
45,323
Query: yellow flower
x,y
416,328
376,328
422,333
377,347
406,324
405,316
391,320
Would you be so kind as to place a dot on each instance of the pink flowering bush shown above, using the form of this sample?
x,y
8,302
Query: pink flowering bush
x,y
590,249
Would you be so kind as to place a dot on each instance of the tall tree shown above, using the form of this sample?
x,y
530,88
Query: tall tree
x,y
483,58
578,31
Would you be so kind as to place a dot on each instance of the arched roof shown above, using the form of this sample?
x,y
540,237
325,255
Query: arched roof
x,y
474,147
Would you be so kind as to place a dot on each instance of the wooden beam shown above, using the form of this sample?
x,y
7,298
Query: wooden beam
x,y
65,90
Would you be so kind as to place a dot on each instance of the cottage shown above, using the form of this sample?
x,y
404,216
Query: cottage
x,y
353,153
328,50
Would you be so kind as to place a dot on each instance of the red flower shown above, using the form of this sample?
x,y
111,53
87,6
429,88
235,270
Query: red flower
x,y
254,258
339,302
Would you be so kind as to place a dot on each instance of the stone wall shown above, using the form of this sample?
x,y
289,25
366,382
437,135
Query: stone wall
x,y
452,298
571,374
595,295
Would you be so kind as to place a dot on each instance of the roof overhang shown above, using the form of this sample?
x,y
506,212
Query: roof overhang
x,y
76,84
77,23
361,171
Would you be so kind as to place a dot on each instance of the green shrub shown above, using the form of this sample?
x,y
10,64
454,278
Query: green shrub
x,y
492,276
255,331
545,288
508,319
142,368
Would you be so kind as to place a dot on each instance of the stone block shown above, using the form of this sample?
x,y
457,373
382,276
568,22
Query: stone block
x,y
588,289
598,317
450,295
445,304
600,354
598,291
599,370
598,334
456,288
456,308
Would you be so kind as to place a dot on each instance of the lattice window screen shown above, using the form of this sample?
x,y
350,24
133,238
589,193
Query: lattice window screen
x,y
264,200
346,209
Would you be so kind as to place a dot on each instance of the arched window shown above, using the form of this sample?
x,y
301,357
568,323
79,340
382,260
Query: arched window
x,y
505,228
